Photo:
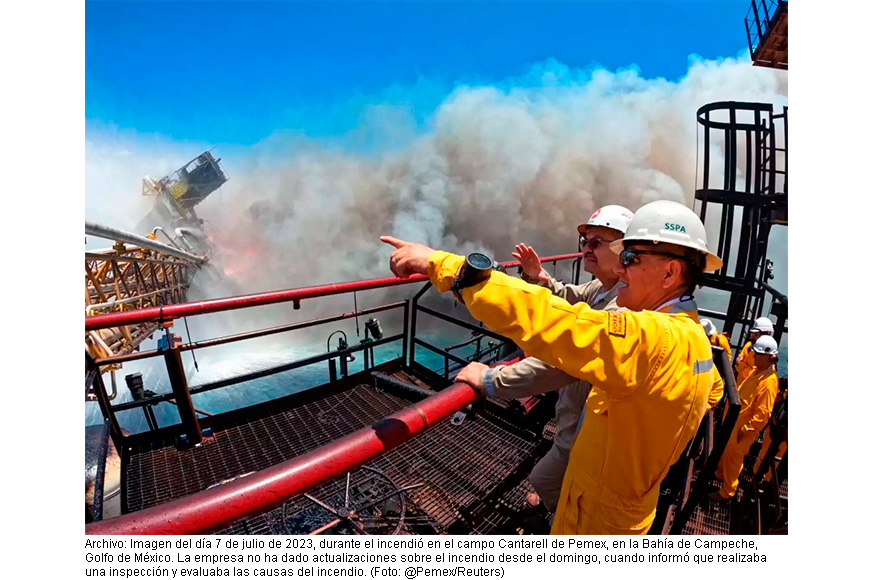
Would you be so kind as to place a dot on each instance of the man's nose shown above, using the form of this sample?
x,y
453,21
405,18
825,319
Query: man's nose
x,y
618,268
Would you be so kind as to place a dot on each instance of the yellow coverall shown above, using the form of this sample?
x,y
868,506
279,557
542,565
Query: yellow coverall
x,y
757,394
718,339
652,377
745,363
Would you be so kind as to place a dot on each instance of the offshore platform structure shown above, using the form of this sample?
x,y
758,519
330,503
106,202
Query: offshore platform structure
x,y
767,32
744,152
398,447
743,188
180,192
140,271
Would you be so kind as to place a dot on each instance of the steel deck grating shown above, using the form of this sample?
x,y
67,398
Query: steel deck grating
x,y
156,475
710,517
511,514
459,465
550,430
714,518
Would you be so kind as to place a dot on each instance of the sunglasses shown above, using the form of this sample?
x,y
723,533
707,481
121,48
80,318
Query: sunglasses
x,y
631,257
594,243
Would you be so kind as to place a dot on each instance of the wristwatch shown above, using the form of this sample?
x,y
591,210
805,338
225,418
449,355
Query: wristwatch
x,y
476,269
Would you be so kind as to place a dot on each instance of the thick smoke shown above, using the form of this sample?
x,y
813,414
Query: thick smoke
x,y
522,160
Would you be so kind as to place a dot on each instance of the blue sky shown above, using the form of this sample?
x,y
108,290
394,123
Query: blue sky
x,y
237,72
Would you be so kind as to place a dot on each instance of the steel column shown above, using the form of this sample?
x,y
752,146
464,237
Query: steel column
x,y
178,380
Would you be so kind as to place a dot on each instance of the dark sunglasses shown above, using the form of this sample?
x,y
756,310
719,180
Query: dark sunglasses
x,y
631,257
594,243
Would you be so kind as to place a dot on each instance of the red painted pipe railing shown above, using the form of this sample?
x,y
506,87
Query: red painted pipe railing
x,y
254,494
173,311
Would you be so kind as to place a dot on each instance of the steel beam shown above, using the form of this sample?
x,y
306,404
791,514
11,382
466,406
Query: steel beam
x,y
99,230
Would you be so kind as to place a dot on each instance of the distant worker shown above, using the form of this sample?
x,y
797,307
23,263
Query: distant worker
x,y
652,369
532,376
757,394
746,358
716,338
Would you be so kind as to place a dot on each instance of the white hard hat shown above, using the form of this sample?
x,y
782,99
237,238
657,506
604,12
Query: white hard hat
x,y
708,326
669,222
763,325
765,345
614,217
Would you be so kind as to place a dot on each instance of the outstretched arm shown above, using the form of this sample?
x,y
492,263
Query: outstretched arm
x,y
576,339
528,377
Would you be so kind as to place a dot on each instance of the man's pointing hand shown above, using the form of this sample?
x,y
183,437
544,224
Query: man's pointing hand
x,y
409,257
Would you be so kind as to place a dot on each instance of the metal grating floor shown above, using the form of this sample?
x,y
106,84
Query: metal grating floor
x,y
714,518
457,465
711,518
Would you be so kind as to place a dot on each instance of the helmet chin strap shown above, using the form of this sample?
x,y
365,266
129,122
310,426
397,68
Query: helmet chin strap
x,y
672,301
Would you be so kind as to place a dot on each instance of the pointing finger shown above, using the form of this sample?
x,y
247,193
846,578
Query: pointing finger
x,y
395,242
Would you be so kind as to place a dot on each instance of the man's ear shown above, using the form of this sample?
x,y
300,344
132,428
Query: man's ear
x,y
676,274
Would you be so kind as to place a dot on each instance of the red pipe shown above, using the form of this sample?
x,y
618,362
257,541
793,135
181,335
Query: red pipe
x,y
544,260
219,507
173,311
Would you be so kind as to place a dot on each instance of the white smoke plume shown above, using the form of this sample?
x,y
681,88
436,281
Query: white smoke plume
x,y
521,160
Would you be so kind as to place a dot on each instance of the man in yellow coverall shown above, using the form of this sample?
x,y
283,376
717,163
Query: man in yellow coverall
x,y
746,358
652,369
532,376
757,394
716,338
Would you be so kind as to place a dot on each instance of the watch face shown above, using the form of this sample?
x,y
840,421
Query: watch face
x,y
479,261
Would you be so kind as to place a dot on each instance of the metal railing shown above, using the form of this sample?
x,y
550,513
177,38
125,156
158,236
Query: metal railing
x,y
214,508
181,393
757,21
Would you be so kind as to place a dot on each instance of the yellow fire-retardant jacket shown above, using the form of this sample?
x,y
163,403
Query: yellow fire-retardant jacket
x,y
745,363
757,396
719,339
652,377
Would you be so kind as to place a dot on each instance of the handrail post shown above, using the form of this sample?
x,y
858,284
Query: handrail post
x,y
412,326
180,390
405,334
757,19
105,404
752,52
